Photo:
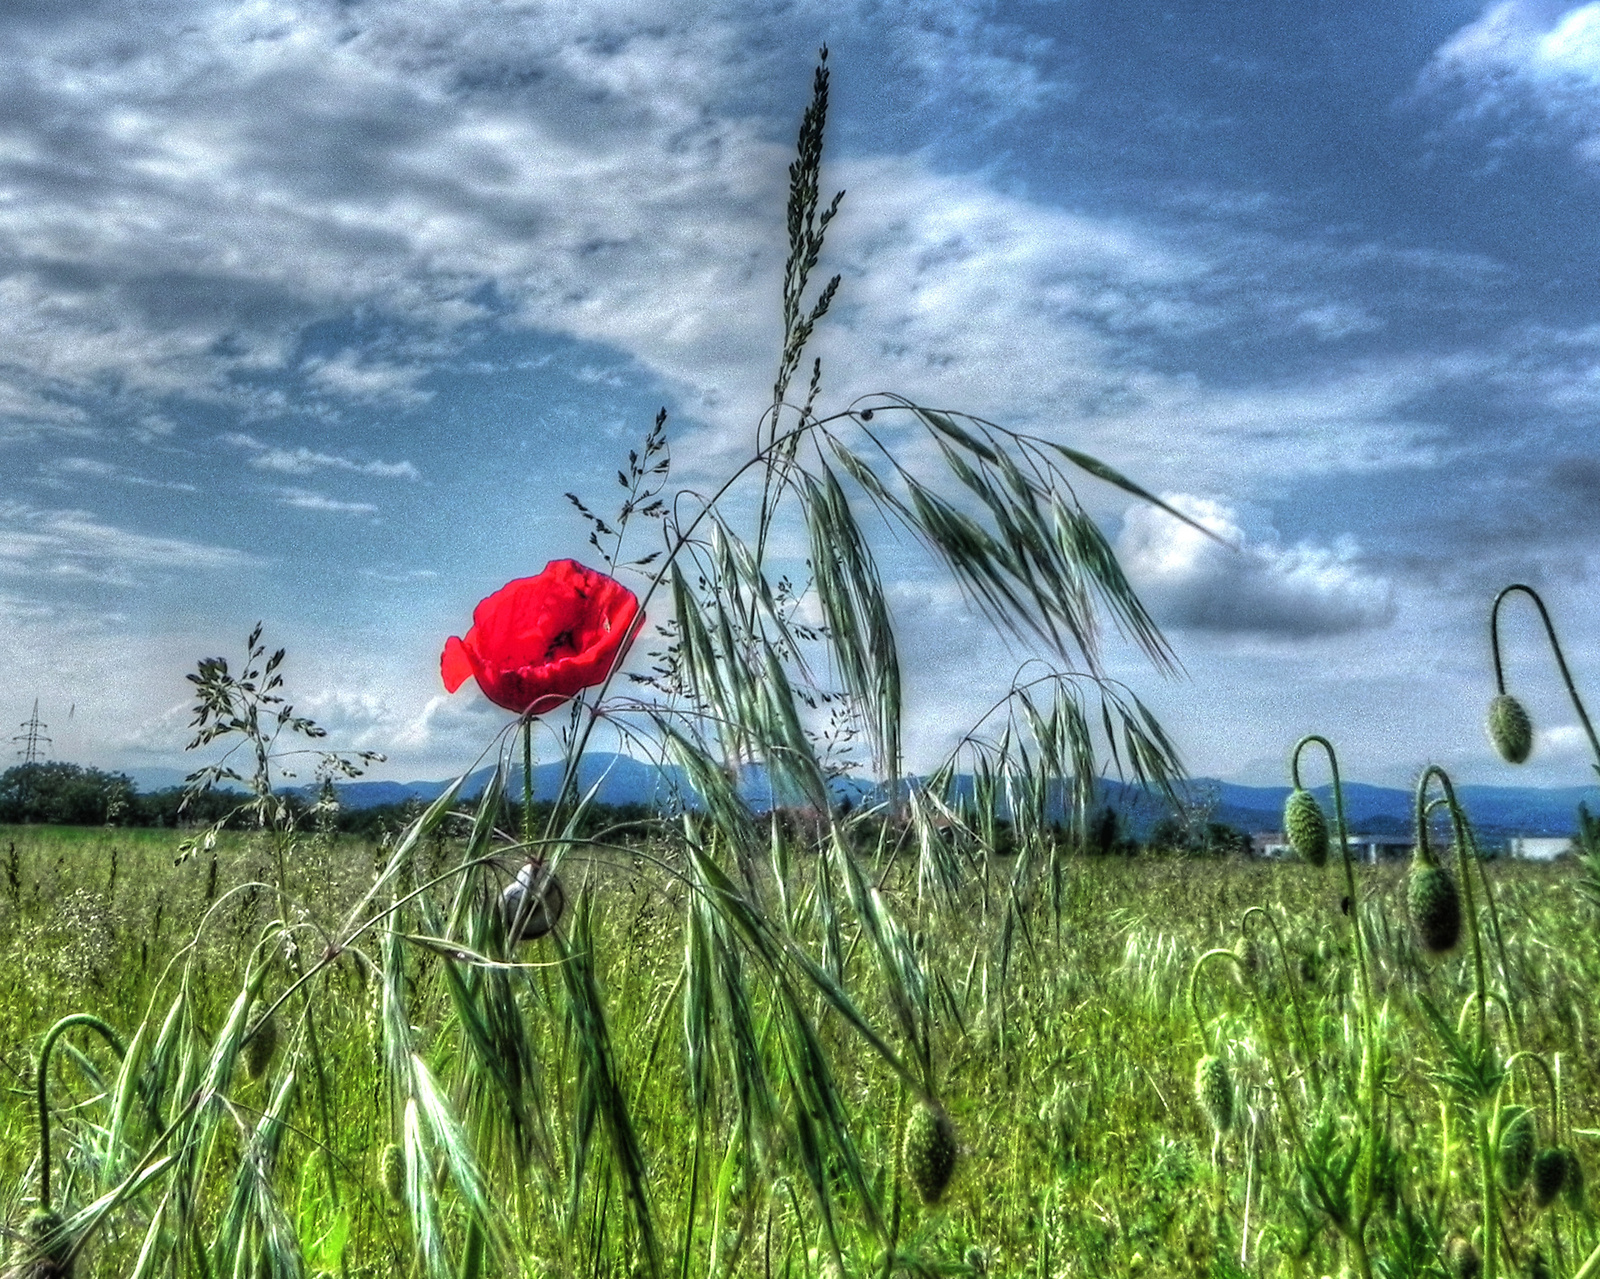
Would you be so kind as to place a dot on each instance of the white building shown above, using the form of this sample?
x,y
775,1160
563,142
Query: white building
x,y
1539,848
1363,848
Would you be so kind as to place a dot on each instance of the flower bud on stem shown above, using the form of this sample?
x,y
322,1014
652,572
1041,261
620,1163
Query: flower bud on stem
x,y
1509,741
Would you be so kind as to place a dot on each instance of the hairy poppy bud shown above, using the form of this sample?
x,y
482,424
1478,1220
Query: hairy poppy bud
x,y
47,1246
1435,907
1248,952
392,1172
1510,729
1213,1089
1517,1141
1306,827
1572,1183
929,1151
1463,1258
1549,1175
261,1041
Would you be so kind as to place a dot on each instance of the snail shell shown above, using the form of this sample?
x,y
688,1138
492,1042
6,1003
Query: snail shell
x,y
532,902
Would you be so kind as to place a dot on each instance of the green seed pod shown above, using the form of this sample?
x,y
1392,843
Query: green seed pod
x,y
1510,729
1518,1138
1435,907
47,1246
1251,958
1306,827
1213,1089
977,1260
392,1172
929,1151
1549,1175
262,1040
1572,1183
1463,1258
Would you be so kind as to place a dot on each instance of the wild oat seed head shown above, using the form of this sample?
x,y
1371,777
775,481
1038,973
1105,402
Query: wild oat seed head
x,y
930,1151
1518,1138
1435,904
1213,1089
263,1042
1549,1175
1306,827
392,1172
1510,729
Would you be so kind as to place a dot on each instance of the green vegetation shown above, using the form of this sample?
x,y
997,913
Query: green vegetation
x,y
1065,1054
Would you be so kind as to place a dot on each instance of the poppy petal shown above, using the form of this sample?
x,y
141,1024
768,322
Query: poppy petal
x,y
455,664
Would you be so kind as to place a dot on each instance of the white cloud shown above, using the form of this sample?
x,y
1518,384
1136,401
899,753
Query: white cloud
x,y
310,500
369,381
305,461
90,468
1536,39
279,164
1526,61
1245,585
72,543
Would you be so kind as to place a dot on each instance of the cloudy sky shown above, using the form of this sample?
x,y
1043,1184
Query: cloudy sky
x,y
311,312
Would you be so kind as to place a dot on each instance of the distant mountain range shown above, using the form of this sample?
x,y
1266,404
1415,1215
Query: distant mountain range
x,y
1496,811
1378,810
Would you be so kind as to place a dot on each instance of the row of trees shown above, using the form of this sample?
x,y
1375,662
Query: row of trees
x,y
67,794
63,794
70,795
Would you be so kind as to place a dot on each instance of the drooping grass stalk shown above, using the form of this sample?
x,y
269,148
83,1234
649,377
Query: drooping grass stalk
x,y
41,1081
1555,648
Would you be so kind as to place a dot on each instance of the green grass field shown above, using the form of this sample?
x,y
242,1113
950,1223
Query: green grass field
x,y
1055,1030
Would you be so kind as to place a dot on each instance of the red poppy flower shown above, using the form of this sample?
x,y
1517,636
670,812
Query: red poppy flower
x,y
539,640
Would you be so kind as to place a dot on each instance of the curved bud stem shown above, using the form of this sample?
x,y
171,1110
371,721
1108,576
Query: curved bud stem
x,y
1464,849
1550,1083
1555,647
1368,1090
1194,990
1343,836
1313,1064
54,1033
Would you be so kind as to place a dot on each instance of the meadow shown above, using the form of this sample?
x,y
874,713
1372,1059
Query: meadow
x,y
1065,1056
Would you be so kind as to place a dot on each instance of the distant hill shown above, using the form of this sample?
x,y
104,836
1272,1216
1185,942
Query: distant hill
x,y
621,780
1495,811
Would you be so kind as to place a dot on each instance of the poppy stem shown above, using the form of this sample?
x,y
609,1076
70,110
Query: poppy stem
x,y
527,780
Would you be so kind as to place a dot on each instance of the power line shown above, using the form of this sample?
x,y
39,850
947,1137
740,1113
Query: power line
x,y
32,736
